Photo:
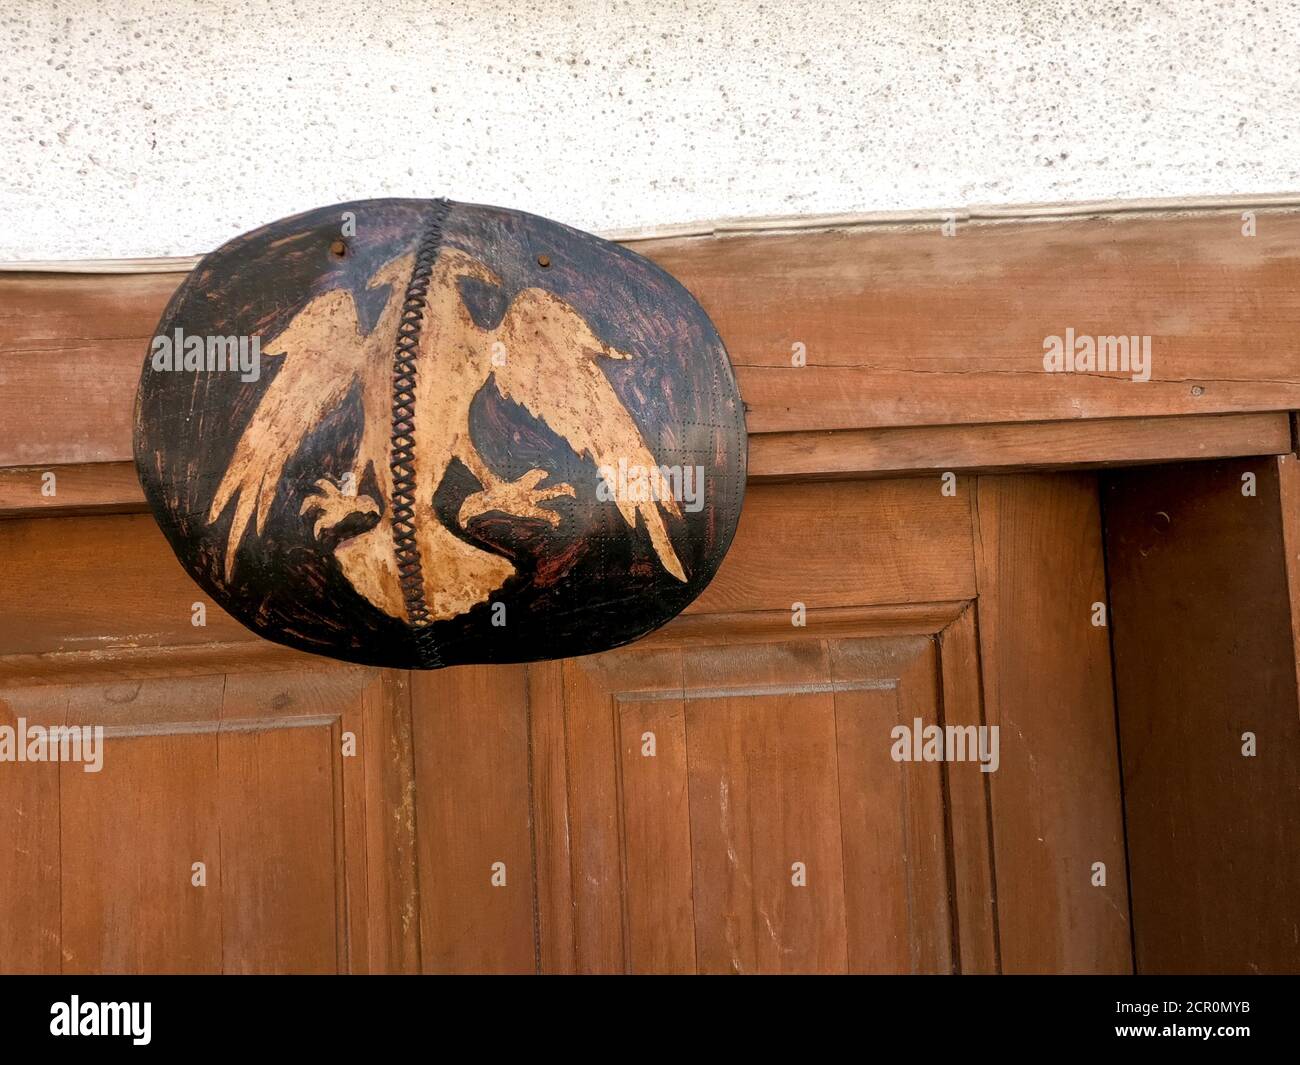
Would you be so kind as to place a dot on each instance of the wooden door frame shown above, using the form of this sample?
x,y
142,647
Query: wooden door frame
x,y
921,361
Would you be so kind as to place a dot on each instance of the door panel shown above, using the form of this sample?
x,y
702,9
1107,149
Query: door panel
x,y
475,849
764,826
1205,665
506,819
772,745
1057,811
846,543
224,831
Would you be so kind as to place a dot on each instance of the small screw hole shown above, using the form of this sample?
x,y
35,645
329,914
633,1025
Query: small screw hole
x,y
339,249
543,261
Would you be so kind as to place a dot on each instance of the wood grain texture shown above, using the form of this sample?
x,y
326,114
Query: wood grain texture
x,y
1013,446
846,544
739,773
1047,685
922,358
1288,473
967,804
112,487
30,875
763,626
548,757
124,662
903,327
59,581
129,836
380,805
764,810
794,724
792,539
470,739
70,355
658,873
1205,653
245,773
92,487
282,829
907,927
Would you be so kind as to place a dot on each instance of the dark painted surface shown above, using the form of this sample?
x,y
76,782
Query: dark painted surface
x,y
590,583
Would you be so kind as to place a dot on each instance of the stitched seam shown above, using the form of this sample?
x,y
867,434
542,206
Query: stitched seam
x,y
402,460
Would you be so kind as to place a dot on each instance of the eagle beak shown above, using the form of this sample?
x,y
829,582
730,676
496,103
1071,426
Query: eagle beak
x,y
394,272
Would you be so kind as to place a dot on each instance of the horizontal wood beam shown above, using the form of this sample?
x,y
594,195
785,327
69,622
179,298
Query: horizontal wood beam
x,y
901,326
79,488
112,487
1014,447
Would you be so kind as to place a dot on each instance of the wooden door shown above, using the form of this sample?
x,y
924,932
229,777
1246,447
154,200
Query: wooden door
x,y
1205,582
510,819
721,796
753,811
225,831
243,814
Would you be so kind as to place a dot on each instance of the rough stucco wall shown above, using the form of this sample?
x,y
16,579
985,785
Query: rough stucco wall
x,y
138,128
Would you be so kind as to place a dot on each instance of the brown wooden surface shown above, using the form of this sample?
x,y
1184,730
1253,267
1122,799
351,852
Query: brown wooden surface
x,y
1204,653
899,562
923,358
550,818
967,800
472,808
243,773
381,803
973,609
72,351
1010,446
61,578
845,544
29,840
91,487
902,326
467,798
1288,472
49,613
112,487
1047,685
772,746
766,756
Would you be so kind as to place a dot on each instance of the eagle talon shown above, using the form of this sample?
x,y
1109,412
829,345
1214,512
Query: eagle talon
x,y
334,505
519,498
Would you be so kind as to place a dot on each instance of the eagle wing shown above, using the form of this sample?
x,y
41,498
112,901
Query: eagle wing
x,y
551,369
322,358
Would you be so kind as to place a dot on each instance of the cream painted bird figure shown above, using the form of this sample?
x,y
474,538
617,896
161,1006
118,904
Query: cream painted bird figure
x,y
542,355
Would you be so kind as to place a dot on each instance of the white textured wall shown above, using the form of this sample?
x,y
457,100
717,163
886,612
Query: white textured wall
x,y
138,127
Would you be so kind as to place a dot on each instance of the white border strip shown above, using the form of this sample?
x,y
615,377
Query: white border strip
x,y
774,224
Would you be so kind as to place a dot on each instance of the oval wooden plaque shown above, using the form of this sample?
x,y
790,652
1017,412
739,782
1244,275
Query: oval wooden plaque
x,y
418,433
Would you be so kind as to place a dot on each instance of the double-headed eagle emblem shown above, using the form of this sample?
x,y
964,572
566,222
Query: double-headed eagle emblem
x,y
542,355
